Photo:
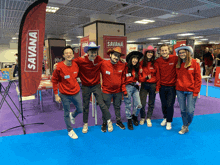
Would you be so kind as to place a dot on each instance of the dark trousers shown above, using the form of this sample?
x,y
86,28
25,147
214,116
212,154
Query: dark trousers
x,y
117,98
167,97
145,89
86,94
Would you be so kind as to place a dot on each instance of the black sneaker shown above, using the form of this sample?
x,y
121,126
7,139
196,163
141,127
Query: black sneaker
x,y
104,127
135,120
130,124
120,124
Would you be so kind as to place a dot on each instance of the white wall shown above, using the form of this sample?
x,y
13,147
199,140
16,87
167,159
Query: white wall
x,y
7,54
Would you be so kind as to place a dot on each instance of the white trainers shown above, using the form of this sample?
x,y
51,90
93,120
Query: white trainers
x,y
142,121
110,126
149,124
184,130
85,128
72,119
72,134
168,127
164,122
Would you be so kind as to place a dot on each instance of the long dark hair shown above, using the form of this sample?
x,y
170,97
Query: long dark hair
x,y
152,60
136,67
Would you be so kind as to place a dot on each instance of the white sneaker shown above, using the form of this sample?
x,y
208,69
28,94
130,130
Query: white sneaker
x,y
72,119
149,124
110,126
72,134
168,127
142,121
85,128
164,122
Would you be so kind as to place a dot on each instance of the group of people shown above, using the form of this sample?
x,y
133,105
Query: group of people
x,y
169,75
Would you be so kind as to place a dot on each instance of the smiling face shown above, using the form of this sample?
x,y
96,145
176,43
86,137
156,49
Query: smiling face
x,y
182,54
149,54
114,57
68,54
164,51
134,61
93,53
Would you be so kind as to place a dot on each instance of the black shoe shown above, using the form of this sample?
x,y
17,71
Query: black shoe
x,y
130,124
120,124
135,120
104,127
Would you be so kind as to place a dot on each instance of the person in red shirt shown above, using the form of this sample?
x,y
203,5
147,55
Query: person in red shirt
x,y
111,71
188,84
149,84
167,69
130,88
65,77
89,74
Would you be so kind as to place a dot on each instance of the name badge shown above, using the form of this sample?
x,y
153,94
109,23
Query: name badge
x,y
128,75
107,72
151,68
120,71
171,63
67,76
191,68
75,72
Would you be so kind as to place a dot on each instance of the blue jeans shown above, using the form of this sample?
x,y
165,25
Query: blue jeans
x,y
76,100
132,92
187,110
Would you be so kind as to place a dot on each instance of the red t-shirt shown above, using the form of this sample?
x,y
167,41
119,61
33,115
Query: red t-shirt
x,y
167,70
153,71
112,76
189,79
65,77
89,71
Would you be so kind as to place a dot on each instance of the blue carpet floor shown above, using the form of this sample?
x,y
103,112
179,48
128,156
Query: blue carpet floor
x,y
143,145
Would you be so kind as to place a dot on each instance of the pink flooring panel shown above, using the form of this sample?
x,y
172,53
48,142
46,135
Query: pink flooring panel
x,y
52,116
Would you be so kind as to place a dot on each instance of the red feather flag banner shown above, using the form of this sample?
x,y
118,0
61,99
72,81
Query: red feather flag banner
x,y
30,47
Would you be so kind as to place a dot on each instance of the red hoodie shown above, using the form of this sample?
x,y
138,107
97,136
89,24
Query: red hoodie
x,y
128,78
153,71
89,72
66,76
112,76
167,70
189,79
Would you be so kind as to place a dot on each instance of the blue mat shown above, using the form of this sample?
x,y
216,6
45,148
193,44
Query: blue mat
x,y
143,145
212,91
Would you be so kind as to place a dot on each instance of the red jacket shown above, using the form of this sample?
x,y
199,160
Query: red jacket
x,y
112,76
167,70
153,71
128,78
189,79
66,76
89,72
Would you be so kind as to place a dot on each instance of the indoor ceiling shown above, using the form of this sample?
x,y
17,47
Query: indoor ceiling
x,y
68,21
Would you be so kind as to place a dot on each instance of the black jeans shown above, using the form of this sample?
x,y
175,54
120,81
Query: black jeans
x,y
86,94
145,89
117,98
167,97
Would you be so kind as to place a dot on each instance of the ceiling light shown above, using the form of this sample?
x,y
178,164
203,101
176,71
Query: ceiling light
x,y
204,39
14,38
79,36
186,34
76,44
68,40
130,41
51,9
164,40
198,37
160,43
144,21
154,38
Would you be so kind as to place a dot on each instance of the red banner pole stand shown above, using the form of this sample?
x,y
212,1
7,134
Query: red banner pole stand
x,y
30,52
